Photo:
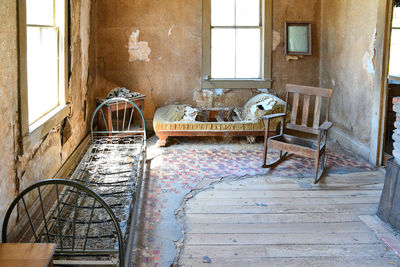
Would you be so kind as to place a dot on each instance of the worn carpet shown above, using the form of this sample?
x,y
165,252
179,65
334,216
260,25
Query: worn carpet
x,y
176,170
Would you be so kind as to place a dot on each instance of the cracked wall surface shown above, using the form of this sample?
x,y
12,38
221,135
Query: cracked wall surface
x,y
22,168
348,63
171,73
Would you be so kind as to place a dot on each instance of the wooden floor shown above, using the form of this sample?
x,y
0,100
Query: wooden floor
x,y
272,221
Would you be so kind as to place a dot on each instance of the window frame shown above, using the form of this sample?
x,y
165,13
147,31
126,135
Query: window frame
x,y
391,74
265,81
31,134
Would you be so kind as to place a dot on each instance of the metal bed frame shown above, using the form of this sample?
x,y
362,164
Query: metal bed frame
x,y
91,217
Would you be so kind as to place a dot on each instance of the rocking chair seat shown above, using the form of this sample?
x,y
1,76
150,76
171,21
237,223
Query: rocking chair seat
x,y
294,144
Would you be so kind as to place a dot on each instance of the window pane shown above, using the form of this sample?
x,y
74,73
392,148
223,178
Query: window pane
x,y
223,53
394,66
39,12
248,53
396,17
42,70
222,12
248,12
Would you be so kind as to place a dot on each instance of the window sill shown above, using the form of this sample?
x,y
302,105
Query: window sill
x,y
44,125
236,83
394,78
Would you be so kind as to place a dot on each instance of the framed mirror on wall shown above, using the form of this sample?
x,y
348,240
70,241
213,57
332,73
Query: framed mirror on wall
x,y
298,38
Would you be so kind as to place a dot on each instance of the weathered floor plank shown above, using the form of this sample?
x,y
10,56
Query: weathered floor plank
x,y
275,251
283,193
271,218
286,209
300,261
274,221
253,201
298,187
269,228
273,239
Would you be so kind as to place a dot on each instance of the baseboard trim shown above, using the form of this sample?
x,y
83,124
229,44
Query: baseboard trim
x,y
350,142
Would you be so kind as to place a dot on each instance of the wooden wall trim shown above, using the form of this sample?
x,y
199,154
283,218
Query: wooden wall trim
x,y
379,94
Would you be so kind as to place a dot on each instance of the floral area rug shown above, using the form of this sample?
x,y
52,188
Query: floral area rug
x,y
176,170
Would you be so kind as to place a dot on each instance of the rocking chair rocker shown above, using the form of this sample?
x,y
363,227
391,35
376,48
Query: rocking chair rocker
x,y
291,138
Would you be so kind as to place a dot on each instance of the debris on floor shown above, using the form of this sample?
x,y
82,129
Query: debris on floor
x,y
206,259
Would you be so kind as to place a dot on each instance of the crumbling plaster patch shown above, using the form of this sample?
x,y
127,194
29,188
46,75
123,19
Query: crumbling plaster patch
x,y
138,50
41,161
203,98
291,57
276,39
219,92
368,59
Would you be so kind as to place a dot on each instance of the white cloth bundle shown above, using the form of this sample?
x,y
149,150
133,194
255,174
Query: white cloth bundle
x,y
190,114
122,92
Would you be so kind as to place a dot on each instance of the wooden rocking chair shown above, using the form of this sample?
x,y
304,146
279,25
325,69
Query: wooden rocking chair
x,y
292,137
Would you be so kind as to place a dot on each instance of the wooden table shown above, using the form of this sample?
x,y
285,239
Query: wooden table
x,y
111,107
26,255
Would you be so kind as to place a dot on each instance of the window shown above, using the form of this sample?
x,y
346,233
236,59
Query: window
x,y
237,43
394,65
43,59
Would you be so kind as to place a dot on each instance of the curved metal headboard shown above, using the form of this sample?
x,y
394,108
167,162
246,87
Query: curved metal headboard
x,y
124,129
68,183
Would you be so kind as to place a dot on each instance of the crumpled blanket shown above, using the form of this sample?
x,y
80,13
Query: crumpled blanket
x,y
122,92
190,114
238,111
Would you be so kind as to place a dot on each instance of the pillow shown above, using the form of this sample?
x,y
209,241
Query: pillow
x,y
261,105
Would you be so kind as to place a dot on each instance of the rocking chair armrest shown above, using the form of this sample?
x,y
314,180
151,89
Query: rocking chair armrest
x,y
273,116
325,126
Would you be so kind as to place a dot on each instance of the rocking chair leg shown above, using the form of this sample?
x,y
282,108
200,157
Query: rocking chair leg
x,y
323,160
266,145
316,169
281,155
265,152
318,176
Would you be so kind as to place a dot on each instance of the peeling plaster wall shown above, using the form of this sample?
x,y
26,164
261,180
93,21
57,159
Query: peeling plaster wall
x,y
8,103
348,64
164,61
20,170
